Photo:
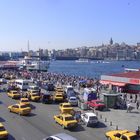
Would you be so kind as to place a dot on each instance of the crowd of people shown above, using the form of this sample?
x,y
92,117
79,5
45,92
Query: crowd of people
x,y
63,79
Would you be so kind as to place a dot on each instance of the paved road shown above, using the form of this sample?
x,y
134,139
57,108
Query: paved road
x,y
40,123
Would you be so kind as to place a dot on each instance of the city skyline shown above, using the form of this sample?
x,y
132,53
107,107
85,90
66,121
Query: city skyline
x,y
61,24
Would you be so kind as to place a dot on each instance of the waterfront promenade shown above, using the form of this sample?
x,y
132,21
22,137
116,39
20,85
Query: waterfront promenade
x,y
120,119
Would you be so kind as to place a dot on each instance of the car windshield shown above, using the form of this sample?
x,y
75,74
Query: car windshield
x,y
25,100
135,137
92,118
34,94
2,128
69,118
24,106
100,102
73,99
34,91
70,89
58,95
67,106
14,92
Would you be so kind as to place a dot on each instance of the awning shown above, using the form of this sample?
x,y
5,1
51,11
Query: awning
x,y
106,82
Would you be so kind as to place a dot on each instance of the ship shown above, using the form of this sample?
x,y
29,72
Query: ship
x,y
34,64
82,60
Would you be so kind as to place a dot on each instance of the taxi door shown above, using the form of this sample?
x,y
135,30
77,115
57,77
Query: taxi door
x,y
60,120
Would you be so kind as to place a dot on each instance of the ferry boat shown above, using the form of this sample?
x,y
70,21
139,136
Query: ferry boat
x,y
34,64
82,60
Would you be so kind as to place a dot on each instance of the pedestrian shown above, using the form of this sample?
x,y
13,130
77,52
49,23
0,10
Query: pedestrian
x,y
131,97
137,104
125,97
128,107
136,98
138,131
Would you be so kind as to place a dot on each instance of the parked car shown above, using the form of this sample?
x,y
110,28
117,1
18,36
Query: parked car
x,y
97,104
69,88
73,100
58,97
121,135
3,81
46,98
13,94
65,120
33,95
66,108
24,101
3,132
20,109
50,87
90,119
60,136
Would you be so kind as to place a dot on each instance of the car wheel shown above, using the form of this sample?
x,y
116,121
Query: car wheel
x,y
87,124
9,110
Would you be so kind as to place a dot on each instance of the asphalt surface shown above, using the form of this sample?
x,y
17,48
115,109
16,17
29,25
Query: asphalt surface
x,y
40,123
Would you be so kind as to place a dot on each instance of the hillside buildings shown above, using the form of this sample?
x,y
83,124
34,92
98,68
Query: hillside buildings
x,y
111,51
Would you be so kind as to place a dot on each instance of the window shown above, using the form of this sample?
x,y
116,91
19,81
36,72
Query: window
x,y
117,135
15,106
124,138
86,116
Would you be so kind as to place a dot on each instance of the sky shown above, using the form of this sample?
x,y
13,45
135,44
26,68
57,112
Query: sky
x,y
61,24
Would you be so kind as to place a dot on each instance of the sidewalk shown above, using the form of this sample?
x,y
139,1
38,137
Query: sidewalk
x,y
120,119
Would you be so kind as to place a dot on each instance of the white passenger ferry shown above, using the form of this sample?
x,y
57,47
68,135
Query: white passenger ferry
x,y
34,64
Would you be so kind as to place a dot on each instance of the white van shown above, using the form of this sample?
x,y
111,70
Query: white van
x,y
22,84
69,88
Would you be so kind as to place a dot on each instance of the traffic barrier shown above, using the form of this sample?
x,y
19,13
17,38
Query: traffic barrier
x,y
116,127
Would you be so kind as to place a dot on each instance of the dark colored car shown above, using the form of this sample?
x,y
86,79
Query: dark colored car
x,y
50,87
46,98
97,104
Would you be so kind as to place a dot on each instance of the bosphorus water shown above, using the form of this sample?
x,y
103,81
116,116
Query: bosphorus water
x,y
94,69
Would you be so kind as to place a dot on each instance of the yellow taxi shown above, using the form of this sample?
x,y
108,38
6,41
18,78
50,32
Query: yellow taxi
x,y
3,132
33,95
59,89
24,101
20,109
65,120
58,97
13,94
121,135
65,108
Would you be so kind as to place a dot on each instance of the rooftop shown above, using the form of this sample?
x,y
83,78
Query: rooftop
x,y
134,74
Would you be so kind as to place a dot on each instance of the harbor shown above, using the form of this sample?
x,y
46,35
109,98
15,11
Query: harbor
x,y
41,116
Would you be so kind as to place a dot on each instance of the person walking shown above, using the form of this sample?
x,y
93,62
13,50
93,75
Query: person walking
x,y
136,98
137,104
